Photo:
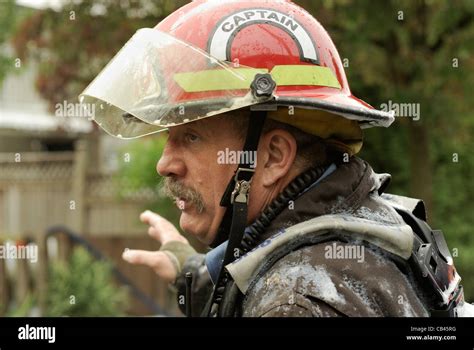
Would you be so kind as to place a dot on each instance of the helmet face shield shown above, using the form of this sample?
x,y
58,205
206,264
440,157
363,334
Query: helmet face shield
x,y
157,81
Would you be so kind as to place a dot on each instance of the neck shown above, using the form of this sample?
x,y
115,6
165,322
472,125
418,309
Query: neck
x,y
270,195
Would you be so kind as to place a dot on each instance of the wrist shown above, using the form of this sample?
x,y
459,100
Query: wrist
x,y
178,252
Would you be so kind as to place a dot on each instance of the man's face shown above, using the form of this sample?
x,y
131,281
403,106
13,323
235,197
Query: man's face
x,y
195,177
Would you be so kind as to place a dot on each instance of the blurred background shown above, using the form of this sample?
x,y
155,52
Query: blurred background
x,y
76,193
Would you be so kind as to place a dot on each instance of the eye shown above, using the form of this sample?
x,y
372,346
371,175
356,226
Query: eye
x,y
191,138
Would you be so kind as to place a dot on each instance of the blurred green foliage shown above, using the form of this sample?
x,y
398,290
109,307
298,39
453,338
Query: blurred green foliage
x,y
84,287
74,44
23,309
6,24
10,16
139,173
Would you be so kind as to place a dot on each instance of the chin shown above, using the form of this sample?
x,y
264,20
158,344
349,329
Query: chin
x,y
194,225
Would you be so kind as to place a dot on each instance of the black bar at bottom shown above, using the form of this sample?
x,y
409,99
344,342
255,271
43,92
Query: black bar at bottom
x,y
18,333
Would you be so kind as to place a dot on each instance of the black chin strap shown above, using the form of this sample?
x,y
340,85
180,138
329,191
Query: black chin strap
x,y
240,179
235,199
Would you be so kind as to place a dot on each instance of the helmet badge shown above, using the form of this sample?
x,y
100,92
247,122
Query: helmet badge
x,y
220,42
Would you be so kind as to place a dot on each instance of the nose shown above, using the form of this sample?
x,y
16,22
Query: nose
x,y
170,163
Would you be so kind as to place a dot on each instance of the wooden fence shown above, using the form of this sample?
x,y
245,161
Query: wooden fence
x,y
25,278
38,190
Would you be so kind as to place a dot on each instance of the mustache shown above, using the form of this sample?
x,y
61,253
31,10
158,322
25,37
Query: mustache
x,y
175,190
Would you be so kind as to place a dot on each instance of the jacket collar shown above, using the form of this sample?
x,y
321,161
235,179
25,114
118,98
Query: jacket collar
x,y
343,191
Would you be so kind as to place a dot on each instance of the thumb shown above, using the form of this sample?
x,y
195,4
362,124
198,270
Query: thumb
x,y
140,257
158,261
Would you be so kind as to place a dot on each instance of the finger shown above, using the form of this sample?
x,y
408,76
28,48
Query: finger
x,y
141,257
145,216
158,261
154,233
152,219
158,222
160,228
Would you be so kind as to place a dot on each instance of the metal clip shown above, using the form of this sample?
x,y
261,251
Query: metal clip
x,y
241,188
241,192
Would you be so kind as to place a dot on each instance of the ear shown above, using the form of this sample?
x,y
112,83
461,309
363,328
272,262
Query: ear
x,y
277,154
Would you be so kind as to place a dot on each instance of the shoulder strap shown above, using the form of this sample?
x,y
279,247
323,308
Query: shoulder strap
x,y
433,267
396,239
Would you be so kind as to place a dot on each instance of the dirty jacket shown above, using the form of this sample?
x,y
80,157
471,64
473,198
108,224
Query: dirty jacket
x,y
315,280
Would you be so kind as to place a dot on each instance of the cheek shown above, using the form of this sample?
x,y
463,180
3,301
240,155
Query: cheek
x,y
210,180
217,183
224,174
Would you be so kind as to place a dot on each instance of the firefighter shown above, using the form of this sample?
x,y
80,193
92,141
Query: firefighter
x,y
263,133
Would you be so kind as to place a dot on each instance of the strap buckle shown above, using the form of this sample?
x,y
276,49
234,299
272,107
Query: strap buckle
x,y
240,194
243,170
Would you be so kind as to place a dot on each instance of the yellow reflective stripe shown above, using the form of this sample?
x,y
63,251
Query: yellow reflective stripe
x,y
241,78
217,79
291,75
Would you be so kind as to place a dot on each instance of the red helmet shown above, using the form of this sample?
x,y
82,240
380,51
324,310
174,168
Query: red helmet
x,y
210,57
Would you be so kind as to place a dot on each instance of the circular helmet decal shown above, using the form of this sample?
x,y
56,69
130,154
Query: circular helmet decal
x,y
220,41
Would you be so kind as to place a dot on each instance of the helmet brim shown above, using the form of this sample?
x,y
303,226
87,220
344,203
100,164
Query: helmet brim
x,y
346,106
